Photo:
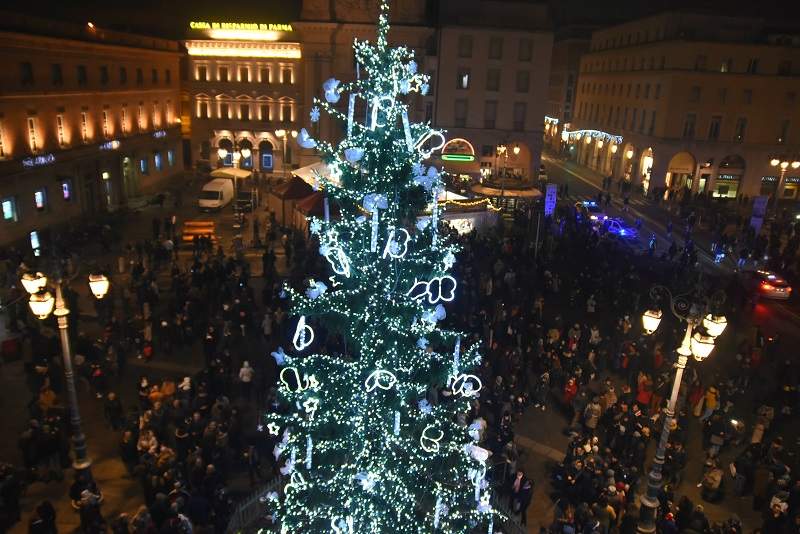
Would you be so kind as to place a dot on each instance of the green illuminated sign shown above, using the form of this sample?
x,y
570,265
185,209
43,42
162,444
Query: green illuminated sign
x,y
458,157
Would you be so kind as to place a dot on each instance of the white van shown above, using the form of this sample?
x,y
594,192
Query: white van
x,y
216,194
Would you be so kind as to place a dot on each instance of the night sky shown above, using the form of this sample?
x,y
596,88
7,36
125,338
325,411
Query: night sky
x,y
169,18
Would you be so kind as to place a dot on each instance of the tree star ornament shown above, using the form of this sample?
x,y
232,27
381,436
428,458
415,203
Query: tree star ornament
x,y
311,405
273,429
314,114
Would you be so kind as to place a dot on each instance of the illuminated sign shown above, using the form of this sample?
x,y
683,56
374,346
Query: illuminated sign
x,y
110,145
243,49
458,157
250,26
38,161
158,134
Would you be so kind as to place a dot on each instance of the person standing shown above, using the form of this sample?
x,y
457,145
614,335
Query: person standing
x,y
246,378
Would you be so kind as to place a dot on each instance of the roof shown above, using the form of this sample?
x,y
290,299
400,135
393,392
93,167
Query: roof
x,y
312,173
293,189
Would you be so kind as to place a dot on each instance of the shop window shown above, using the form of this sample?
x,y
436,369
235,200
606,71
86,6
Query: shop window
x,y
9,207
157,160
40,199
171,157
35,244
144,167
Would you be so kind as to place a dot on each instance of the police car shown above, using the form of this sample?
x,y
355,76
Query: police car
x,y
589,210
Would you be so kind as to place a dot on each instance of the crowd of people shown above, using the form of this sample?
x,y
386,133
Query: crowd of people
x,y
560,330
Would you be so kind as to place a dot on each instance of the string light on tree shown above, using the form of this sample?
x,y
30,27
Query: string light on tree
x,y
379,457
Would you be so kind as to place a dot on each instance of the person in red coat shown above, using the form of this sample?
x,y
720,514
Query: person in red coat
x,y
570,391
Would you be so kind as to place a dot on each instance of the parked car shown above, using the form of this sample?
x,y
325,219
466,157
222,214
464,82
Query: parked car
x,y
216,194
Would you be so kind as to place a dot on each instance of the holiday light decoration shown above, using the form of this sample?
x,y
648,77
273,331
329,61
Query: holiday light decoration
x,y
386,459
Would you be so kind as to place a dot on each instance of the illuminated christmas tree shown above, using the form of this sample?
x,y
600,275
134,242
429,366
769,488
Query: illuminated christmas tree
x,y
364,447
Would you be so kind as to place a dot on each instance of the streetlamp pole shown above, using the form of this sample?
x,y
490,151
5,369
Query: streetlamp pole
x,y
82,462
649,501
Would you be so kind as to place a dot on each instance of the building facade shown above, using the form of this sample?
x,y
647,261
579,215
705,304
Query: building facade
x,y
568,47
245,95
681,101
490,84
88,122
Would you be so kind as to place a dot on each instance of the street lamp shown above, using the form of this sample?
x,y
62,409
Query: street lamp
x,y
42,304
783,163
698,345
516,150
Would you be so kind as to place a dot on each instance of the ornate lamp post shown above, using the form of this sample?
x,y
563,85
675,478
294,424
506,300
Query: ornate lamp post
x,y
783,163
42,303
694,344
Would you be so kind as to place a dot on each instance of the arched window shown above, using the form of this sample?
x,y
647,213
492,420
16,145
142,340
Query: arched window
x,y
246,163
265,153
227,144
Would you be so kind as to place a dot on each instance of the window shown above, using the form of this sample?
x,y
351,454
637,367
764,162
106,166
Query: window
x,y
723,95
647,91
66,189
144,167
490,114
156,114
464,46
140,117
643,120
202,73
625,118
40,199
726,65
244,112
223,74
700,62
286,75
56,74
714,127
638,90
60,130
657,94
103,74
428,111
32,133
202,110
628,95
633,118
694,93
487,151
123,75
286,112
263,75
652,126
123,117
785,68
9,206
688,126
263,112
26,73
244,74
741,129
460,112
139,76
171,157
748,96
523,81
783,132
168,76
154,76
157,160
105,123
462,78
752,65
520,110
84,126
495,47
223,111
493,79
83,76
525,49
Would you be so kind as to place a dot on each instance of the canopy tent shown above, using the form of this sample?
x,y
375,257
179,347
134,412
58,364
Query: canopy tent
x,y
312,206
231,172
284,197
312,173
529,193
